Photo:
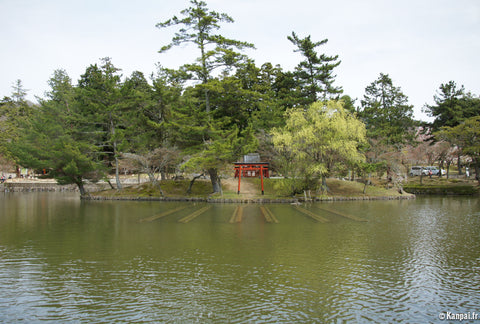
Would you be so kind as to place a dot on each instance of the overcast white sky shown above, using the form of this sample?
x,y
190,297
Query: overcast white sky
x,y
419,43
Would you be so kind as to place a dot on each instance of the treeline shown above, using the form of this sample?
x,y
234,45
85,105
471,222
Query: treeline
x,y
201,117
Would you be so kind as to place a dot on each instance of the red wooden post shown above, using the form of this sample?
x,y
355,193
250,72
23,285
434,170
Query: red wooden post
x,y
251,170
261,176
239,178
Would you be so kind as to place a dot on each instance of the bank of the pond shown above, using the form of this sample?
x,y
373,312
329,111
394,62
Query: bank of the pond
x,y
44,186
248,200
442,186
175,190
444,190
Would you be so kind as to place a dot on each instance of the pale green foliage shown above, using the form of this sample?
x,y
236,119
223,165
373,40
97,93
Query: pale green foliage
x,y
314,140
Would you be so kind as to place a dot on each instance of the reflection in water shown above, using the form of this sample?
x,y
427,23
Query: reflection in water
x,y
66,260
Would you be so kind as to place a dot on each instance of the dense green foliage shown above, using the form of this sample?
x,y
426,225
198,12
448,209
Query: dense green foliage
x,y
49,142
452,106
316,140
314,74
14,110
465,136
208,113
197,27
386,113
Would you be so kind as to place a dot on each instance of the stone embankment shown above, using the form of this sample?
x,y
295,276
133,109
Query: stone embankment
x,y
246,200
24,185
36,186
196,199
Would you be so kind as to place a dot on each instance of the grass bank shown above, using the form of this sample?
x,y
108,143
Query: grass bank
x,y
441,186
274,189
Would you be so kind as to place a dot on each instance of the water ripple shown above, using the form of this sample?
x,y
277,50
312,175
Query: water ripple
x,y
404,265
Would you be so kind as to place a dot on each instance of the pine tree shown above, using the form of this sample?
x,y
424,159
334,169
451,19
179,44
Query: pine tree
x,y
50,141
198,27
452,106
386,113
99,104
315,74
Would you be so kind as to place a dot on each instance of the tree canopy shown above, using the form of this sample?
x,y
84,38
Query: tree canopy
x,y
199,118
319,139
315,73
452,106
465,136
49,144
198,27
386,113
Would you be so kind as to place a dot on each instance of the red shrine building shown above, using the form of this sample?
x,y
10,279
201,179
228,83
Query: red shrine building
x,y
251,167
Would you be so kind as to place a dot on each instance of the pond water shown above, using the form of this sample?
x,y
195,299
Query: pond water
x,y
66,260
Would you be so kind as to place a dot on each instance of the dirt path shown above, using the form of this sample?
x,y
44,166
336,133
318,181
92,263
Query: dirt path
x,y
247,189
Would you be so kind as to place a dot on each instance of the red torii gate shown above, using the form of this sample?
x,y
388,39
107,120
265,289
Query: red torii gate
x,y
251,170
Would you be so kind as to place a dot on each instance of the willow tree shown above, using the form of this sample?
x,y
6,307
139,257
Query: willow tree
x,y
317,139
198,26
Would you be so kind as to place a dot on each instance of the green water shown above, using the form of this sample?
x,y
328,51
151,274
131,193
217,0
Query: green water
x,y
63,260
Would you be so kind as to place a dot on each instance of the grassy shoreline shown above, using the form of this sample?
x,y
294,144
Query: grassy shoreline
x,y
442,186
276,190
250,192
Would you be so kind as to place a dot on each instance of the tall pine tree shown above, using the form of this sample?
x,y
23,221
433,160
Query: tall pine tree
x,y
386,113
452,106
315,73
49,140
198,27
99,103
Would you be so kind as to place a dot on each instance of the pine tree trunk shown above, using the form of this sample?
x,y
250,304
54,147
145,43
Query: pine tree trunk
x,y
110,184
459,164
81,187
204,74
216,184
207,101
112,130
477,170
117,175
189,190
